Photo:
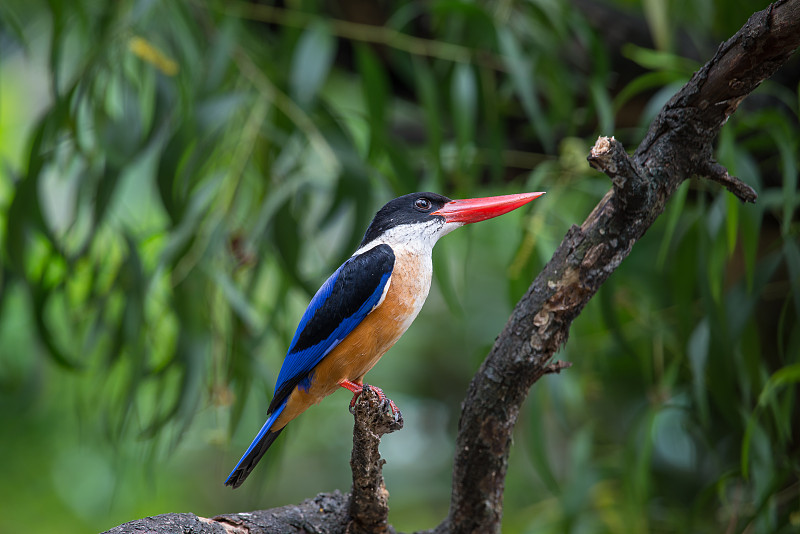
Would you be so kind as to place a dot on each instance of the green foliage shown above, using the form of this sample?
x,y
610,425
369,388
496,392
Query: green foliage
x,y
176,180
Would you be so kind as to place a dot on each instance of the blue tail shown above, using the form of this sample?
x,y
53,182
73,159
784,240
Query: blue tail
x,y
255,451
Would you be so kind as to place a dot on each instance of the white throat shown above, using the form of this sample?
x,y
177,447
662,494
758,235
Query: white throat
x,y
416,239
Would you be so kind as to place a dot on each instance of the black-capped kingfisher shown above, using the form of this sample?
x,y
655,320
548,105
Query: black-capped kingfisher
x,y
365,306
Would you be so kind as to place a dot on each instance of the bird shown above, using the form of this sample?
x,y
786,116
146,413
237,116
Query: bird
x,y
364,307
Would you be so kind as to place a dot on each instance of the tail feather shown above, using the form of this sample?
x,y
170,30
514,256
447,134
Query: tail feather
x,y
255,451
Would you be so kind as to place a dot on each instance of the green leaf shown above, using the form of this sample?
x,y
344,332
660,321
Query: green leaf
x,y
658,60
643,83
751,218
427,94
311,62
167,172
715,269
657,16
443,273
521,68
716,254
106,187
375,88
732,222
133,282
12,22
786,376
238,301
23,208
675,211
494,131
791,253
45,334
287,239
603,105
744,457
404,175
464,92
538,446
784,143
697,350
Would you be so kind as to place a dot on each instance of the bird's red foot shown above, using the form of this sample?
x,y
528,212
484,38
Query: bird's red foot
x,y
358,388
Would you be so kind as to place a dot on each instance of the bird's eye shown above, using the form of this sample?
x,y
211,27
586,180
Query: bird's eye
x,y
422,204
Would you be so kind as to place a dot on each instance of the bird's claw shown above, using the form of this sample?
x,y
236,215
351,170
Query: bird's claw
x,y
396,415
382,398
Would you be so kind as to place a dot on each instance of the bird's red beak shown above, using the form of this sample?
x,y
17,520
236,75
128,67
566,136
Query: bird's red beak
x,y
473,210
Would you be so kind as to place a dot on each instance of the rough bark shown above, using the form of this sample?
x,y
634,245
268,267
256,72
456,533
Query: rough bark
x,y
369,500
325,513
677,146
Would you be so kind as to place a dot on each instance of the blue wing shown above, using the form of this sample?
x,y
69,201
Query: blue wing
x,y
338,307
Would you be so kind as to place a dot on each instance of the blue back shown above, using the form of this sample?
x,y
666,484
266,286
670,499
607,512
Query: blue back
x,y
337,308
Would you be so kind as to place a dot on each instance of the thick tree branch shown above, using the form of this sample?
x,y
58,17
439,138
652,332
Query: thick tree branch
x,y
677,146
327,512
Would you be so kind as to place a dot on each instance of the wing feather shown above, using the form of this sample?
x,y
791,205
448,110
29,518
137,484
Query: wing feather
x,y
340,305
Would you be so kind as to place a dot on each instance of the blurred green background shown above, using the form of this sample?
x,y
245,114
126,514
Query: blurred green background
x,y
177,178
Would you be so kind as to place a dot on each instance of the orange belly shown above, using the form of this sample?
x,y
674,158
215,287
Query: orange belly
x,y
364,346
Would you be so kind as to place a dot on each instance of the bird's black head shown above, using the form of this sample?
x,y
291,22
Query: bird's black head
x,y
408,209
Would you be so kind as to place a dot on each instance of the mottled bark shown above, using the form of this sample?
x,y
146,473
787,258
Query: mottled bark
x,y
325,513
677,146
369,500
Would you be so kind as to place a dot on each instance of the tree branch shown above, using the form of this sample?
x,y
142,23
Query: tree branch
x,y
327,512
677,146
369,508
364,511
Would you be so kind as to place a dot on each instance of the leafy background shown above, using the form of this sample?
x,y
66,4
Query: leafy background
x,y
177,178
